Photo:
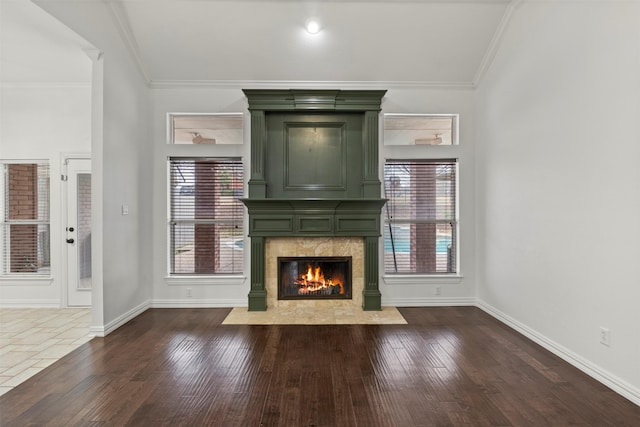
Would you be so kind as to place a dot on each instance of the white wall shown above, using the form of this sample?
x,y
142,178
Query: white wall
x,y
438,290
227,292
121,166
41,122
557,183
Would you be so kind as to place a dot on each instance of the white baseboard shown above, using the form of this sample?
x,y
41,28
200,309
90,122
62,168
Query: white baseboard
x,y
30,303
429,302
616,384
198,303
103,331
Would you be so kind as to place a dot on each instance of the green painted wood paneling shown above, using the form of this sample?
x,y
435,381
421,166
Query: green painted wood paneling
x,y
314,224
314,172
314,155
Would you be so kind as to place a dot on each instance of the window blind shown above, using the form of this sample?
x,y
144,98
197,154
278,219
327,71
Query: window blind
x,y
25,228
420,216
205,225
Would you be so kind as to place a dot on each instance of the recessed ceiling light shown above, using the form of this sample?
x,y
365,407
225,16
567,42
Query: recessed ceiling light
x,y
312,26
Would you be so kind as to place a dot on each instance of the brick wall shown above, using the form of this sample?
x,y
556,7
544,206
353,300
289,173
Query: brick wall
x,y
423,236
207,243
23,204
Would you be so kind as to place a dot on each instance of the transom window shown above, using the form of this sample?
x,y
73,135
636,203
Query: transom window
x,y
206,216
206,129
420,223
421,129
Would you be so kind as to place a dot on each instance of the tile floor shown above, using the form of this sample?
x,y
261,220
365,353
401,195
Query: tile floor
x,y
33,338
314,314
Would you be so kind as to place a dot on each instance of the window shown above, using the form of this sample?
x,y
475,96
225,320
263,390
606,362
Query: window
x,y
206,215
420,129
420,223
206,129
24,210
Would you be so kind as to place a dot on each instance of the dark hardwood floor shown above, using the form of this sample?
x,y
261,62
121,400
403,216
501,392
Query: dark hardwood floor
x,y
447,367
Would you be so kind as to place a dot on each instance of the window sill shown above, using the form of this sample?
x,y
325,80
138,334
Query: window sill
x,y
421,279
26,280
205,280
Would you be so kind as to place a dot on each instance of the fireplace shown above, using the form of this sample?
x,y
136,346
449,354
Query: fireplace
x,y
336,197
314,277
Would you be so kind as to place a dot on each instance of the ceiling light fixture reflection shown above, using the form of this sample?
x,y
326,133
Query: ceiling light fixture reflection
x,y
436,140
312,26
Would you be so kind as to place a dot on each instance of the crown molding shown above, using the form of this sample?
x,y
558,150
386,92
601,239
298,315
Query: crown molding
x,y
45,85
357,1
496,40
306,84
119,16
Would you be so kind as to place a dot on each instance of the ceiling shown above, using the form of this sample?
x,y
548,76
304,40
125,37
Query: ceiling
x,y
37,48
178,41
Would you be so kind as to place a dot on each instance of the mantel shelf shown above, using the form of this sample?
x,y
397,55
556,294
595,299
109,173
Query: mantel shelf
x,y
314,217
315,204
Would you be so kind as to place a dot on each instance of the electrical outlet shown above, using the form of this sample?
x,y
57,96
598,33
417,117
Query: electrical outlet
x,y
438,290
605,336
189,293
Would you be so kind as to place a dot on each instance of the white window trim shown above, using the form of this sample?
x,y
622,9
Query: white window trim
x,y
425,152
405,278
222,279
421,279
31,278
26,279
182,279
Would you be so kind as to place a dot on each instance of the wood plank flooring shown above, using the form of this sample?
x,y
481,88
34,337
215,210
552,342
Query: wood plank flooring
x,y
446,367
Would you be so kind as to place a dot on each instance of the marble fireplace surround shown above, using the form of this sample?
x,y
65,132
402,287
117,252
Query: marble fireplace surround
x,y
314,247
333,209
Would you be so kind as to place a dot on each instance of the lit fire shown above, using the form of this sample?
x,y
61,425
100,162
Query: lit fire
x,y
314,283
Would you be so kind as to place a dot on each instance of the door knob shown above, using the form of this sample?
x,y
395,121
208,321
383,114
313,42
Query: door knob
x,y
70,240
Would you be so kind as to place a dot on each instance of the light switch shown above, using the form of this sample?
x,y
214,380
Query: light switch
x,y
125,209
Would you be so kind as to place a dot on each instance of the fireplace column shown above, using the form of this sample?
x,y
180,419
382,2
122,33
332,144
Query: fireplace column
x,y
257,294
371,297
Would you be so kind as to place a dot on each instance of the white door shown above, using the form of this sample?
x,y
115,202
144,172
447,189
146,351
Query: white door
x,y
78,232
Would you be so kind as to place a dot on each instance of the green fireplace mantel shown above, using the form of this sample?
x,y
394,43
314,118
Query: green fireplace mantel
x,y
314,217
340,197
313,100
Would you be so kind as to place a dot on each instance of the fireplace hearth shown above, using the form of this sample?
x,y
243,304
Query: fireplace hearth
x,y
314,278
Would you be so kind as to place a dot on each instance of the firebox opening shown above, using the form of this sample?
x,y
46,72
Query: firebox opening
x,y
314,278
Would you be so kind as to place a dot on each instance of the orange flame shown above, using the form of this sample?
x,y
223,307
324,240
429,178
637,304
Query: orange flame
x,y
314,275
314,280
